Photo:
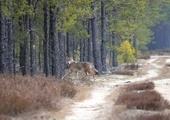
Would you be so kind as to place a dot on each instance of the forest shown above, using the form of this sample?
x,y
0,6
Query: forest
x,y
36,36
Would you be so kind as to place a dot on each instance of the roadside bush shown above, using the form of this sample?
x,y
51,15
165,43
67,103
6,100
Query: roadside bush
x,y
21,94
154,117
131,66
147,100
141,86
124,72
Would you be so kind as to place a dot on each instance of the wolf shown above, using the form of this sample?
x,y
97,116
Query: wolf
x,y
76,66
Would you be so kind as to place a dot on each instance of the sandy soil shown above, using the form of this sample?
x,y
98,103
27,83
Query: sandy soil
x,y
100,105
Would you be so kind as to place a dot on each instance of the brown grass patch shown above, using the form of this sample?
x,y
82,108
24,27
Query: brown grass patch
x,y
154,117
132,66
5,117
141,71
141,86
145,55
20,94
165,72
125,72
147,100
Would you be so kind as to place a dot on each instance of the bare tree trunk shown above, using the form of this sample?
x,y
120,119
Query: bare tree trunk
x,y
54,41
85,50
10,46
68,45
136,47
115,43
39,56
61,52
96,47
90,44
81,50
32,44
46,42
103,34
73,48
2,43
24,47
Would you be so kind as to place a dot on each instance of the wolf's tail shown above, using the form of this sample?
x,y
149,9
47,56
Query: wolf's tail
x,y
95,71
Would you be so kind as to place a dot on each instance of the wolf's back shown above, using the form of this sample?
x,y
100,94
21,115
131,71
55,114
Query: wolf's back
x,y
90,69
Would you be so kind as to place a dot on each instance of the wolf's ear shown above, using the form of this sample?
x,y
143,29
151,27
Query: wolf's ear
x,y
69,59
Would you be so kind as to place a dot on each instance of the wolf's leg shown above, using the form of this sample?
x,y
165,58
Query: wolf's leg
x,y
94,77
84,75
77,75
68,73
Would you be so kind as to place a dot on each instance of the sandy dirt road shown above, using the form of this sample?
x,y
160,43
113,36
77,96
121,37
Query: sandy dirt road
x,y
104,92
98,107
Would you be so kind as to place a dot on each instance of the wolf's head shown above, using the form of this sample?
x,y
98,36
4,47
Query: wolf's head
x,y
69,60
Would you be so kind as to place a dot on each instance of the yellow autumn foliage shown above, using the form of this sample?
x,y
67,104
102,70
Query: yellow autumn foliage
x,y
126,53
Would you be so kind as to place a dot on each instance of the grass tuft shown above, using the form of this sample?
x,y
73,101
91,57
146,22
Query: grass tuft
x,y
5,117
154,117
131,66
141,86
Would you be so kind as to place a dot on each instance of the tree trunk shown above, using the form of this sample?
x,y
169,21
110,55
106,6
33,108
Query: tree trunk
x,y
81,50
68,44
136,47
46,42
22,56
61,52
73,48
90,44
10,46
54,41
85,50
39,57
115,43
103,35
32,44
24,47
2,43
96,47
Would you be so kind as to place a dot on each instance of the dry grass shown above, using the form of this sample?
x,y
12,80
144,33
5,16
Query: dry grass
x,y
165,72
147,100
143,98
5,117
131,66
145,55
154,117
20,94
125,72
141,86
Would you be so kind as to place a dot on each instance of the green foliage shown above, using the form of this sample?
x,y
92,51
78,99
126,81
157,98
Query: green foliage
x,y
126,53
144,36
16,8
135,18
73,12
